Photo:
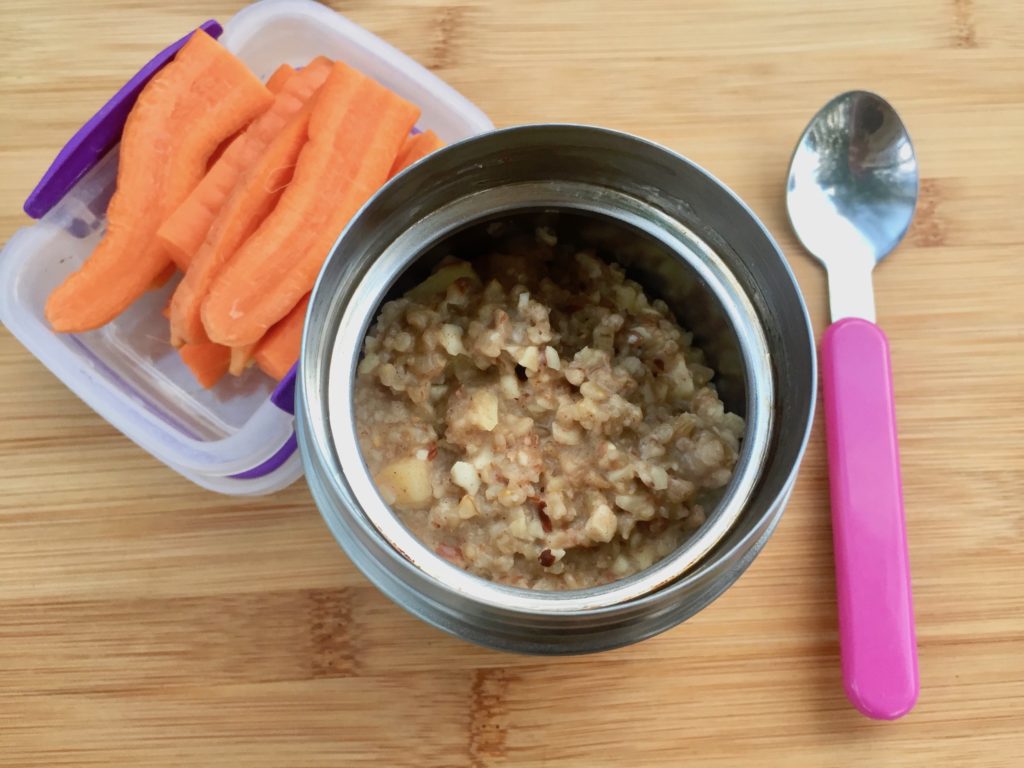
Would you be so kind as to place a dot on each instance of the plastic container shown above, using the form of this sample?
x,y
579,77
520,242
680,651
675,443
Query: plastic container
x,y
238,437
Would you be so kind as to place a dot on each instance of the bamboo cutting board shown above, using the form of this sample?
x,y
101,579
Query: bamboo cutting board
x,y
144,621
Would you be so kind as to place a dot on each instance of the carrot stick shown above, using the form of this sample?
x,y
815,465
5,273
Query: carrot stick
x,y
249,203
274,85
161,280
415,148
200,98
281,75
218,153
278,350
207,361
241,359
355,133
186,228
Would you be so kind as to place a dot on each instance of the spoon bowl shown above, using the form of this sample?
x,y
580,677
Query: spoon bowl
x,y
851,192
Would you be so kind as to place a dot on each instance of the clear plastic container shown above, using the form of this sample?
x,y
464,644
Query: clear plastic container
x,y
238,437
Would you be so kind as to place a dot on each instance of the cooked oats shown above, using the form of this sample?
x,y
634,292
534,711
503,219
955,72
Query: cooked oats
x,y
537,420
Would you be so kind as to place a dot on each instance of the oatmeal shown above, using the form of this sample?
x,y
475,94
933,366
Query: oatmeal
x,y
537,420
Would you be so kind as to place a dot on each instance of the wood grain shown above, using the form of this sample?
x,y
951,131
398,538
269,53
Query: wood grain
x,y
144,621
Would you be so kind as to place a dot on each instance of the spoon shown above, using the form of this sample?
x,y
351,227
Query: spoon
x,y
851,194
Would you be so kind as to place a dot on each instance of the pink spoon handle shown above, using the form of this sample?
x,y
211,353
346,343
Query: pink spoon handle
x,y
876,615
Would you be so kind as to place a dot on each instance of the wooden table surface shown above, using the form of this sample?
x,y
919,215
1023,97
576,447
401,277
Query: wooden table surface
x,y
144,621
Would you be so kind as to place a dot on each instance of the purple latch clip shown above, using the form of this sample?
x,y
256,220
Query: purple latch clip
x,y
283,397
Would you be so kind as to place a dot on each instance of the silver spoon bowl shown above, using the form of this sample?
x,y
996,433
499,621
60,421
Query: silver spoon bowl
x,y
851,194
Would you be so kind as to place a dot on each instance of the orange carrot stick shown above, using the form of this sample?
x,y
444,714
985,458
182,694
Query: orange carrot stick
x,y
281,75
249,203
200,98
274,84
186,228
218,153
278,350
415,148
355,133
207,361
241,359
161,280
